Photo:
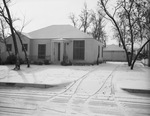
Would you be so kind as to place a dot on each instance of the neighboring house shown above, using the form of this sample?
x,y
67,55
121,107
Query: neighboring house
x,y
114,53
56,42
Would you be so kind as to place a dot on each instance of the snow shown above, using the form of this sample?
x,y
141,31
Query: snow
x,y
87,96
136,79
45,74
123,77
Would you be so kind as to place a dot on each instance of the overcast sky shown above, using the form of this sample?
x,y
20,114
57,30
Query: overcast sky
x,y
42,13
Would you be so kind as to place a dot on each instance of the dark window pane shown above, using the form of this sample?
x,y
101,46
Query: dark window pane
x,y
102,51
78,50
41,51
25,46
9,47
58,51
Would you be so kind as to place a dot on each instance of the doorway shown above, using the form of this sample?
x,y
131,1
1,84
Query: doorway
x,y
57,52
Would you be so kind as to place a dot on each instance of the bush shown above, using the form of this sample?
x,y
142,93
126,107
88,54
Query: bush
x,y
11,59
64,63
40,63
21,61
46,62
0,61
35,62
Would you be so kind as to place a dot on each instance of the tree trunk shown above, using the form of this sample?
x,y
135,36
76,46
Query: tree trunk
x,y
139,53
3,34
132,43
26,57
121,38
17,65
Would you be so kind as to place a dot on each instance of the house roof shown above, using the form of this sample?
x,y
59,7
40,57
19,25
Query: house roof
x,y
26,34
113,47
58,31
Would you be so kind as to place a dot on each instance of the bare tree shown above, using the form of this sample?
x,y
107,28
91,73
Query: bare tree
x,y
102,5
147,25
97,25
14,33
19,34
133,22
3,36
75,21
84,20
90,22
9,21
143,23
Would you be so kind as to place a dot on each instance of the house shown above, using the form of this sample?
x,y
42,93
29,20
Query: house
x,y
56,42
114,53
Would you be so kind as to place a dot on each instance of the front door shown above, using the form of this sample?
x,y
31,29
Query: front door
x,y
57,52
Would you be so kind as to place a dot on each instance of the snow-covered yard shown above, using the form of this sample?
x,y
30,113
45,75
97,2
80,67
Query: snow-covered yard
x,y
94,93
43,74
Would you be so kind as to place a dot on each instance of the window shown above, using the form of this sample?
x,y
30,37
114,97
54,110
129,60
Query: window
x,y
58,51
25,46
102,51
9,47
41,51
98,51
78,50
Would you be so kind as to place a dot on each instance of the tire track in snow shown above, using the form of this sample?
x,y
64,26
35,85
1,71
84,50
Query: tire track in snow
x,y
79,82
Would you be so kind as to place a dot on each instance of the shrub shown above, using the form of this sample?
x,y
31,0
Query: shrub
x,y
11,59
21,61
64,63
46,62
35,62
0,61
40,63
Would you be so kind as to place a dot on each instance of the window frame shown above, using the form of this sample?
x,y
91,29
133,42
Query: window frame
x,y
78,49
40,54
25,46
9,47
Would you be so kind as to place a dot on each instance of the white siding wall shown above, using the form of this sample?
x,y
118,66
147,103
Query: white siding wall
x,y
34,48
25,40
91,51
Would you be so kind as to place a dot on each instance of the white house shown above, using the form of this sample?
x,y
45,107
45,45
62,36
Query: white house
x,y
56,42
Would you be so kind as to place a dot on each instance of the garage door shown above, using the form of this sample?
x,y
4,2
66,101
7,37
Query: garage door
x,y
114,56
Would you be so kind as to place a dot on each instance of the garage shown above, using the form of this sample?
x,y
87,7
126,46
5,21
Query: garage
x,y
114,53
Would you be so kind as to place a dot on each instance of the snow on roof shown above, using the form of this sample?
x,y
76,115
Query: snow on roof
x,y
25,34
20,33
113,47
58,31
